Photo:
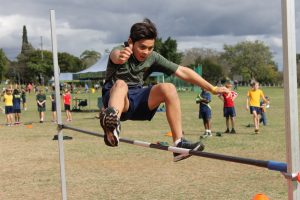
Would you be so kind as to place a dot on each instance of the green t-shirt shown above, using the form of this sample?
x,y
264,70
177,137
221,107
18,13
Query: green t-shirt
x,y
134,72
40,97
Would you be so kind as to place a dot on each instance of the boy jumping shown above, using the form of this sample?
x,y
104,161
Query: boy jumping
x,y
124,96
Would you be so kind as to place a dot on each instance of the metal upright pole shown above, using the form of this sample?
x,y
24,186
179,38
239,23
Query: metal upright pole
x,y
58,106
290,93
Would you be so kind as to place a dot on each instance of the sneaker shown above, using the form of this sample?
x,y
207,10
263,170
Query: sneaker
x,y
256,131
209,134
227,131
232,131
197,146
205,135
111,126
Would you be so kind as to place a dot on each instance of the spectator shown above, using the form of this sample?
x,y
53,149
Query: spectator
x,y
41,104
203,100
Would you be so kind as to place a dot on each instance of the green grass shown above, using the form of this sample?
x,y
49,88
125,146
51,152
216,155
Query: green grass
x,y
30,162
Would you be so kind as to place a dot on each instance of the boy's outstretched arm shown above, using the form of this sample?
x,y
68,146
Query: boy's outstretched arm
x,y
190,76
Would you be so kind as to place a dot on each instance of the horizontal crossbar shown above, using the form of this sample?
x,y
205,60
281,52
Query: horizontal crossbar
x,y
271,165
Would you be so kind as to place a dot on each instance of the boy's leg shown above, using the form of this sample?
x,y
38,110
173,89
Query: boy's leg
x,y
209,127
255,121
264,118
204,124
110,117
232,119
166,92
232,122
227,125
118,97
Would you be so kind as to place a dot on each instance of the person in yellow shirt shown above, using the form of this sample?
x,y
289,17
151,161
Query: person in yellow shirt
x,y
254,96
8,101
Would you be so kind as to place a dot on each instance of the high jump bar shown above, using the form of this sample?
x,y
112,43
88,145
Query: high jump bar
x,y
269,164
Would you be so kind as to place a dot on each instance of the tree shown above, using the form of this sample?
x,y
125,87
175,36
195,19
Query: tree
x,y
3,64
168,49
89,58
248,58
22,59
190,55
268,74
40,67
211,71
69,63
26,46
35,68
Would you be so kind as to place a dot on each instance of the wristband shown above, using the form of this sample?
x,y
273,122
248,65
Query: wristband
x,y
214,90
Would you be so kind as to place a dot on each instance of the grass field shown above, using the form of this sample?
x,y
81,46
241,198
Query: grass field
x,y
30,162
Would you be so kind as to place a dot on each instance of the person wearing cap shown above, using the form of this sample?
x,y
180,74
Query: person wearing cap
x,y
228,108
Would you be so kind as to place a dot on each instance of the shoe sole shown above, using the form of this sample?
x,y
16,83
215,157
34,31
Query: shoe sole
x,y
185,156
111,139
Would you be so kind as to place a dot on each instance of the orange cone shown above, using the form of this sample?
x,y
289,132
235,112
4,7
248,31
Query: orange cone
x,y
260,197
169,134
29,126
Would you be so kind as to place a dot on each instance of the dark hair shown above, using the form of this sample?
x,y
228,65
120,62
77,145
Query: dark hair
x,y
16,92
143,30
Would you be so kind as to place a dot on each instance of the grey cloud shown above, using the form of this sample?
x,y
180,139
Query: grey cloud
x,y
104,23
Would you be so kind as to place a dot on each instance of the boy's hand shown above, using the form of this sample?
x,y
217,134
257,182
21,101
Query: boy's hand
x,y
221,90
125,53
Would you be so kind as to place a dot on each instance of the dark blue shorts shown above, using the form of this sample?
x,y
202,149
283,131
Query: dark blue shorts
x,y
253,108
53,106
205,113
9,109
138,102
67,107
17,110
229,112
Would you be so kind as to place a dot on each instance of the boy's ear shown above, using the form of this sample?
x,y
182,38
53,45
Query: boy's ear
x,y
130,43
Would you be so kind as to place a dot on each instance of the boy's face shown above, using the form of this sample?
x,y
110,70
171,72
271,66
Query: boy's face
x,y
142,49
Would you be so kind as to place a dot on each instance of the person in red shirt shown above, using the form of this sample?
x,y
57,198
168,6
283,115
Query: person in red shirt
x,y
67,103
228,109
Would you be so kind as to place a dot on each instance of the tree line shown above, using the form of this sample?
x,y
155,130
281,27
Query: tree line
x,y
245,60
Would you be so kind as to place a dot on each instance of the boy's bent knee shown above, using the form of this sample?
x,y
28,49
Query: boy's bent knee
x,y
121,85
167,88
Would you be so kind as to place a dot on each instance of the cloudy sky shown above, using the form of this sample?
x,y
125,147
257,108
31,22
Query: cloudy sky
x,y
101,24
